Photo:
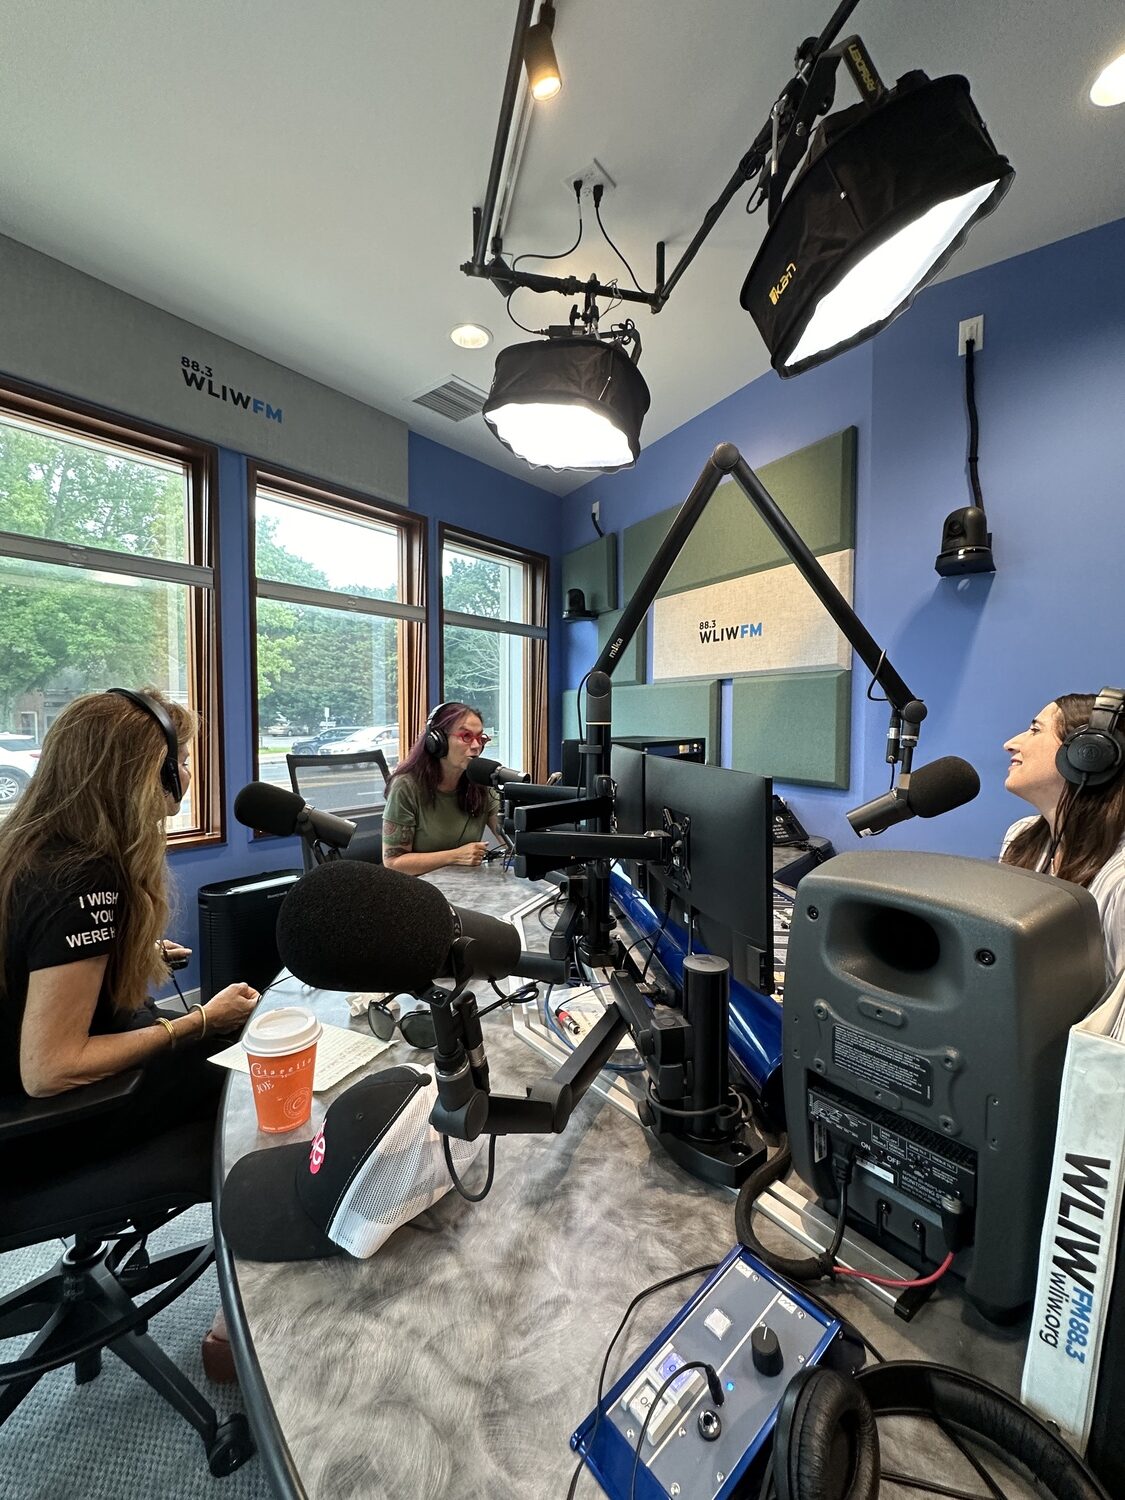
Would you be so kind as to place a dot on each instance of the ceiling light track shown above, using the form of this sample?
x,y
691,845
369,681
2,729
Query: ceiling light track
x,y
775,152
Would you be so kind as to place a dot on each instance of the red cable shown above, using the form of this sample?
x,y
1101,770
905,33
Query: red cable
x,y
897,1281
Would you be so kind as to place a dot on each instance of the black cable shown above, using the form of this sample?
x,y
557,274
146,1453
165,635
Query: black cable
x,y
974,422
874,679
807,1268
949,1432
649,1291
656,938
928,1485
690,1364
512,316
597,196
528,991
561,254
581,731
533,255
458,1184
735,1110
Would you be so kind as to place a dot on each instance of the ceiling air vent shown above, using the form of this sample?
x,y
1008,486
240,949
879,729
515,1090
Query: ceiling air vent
x,y
456,399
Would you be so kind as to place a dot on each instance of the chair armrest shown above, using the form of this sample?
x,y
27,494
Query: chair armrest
x,y
27,1116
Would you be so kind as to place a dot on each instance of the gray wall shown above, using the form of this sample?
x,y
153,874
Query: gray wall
x,y
67,331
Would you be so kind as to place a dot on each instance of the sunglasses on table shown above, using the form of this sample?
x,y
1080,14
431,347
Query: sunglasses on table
x,y
417,1026
467,738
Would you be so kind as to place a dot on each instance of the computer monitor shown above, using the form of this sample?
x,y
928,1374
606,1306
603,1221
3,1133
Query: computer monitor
x,y
722,889
627,767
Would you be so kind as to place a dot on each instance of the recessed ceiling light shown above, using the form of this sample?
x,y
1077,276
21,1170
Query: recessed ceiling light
x,y
470,336
1109,86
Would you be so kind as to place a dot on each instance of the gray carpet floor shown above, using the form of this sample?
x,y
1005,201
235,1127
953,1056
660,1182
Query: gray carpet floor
x,y
115,1439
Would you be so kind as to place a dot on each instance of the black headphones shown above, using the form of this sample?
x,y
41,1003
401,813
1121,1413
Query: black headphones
x,y
826,1446
437,741
170,766
1094,754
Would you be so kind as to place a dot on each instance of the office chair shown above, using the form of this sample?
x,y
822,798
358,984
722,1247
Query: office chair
x,y
353,786
85,1303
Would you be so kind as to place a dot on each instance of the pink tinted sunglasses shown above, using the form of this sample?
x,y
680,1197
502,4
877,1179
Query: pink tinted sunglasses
x,y
467,738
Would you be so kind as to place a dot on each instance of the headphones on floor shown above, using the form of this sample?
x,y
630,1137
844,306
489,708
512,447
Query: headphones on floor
x,y
436,740
1094,754
826,1445
170,766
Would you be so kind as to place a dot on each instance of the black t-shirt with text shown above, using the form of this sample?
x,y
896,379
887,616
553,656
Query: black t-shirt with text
x,y
59,915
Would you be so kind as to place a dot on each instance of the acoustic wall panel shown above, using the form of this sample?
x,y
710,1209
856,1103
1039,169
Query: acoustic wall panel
x,y
815,487
593,569
793,726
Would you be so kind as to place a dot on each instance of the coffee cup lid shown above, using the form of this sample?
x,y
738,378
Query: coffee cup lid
x,y
278,1032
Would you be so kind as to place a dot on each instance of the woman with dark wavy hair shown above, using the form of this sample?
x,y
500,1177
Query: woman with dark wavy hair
x,y
435,816
1079,832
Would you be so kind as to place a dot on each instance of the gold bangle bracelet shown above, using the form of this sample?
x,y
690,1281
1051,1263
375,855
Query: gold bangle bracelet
x,y
203,1018
163,1020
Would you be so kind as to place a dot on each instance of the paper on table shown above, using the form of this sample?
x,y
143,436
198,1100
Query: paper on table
x,y
338,1053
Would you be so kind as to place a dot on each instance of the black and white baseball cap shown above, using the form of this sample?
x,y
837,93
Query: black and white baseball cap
x,y
375,1163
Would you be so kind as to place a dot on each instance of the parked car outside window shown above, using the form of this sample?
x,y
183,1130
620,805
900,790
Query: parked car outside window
x,y
16,769
377,737
313,745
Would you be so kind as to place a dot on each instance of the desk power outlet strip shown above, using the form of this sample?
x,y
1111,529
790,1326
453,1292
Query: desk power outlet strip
x,y
757,1332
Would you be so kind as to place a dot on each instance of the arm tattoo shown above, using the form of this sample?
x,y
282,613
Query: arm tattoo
x,y
398,838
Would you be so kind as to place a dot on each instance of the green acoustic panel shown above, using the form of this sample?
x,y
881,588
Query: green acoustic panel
x,y
631,666
593,569
793,726
815,487
665,710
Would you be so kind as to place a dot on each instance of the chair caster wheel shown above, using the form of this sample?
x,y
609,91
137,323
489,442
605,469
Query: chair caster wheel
x,y
231,1446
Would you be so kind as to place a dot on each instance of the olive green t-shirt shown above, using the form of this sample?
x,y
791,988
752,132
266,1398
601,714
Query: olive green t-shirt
x,y
426,827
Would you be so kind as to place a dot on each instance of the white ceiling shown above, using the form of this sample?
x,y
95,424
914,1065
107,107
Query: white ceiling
x,y
300,177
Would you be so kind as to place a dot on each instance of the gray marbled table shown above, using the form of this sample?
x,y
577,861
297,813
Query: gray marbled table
x,y
459,1359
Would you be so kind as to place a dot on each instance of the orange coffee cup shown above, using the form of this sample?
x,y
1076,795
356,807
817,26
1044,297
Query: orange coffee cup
x,y
281,1048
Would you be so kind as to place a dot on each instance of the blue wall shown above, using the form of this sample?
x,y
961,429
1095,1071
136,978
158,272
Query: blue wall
x,y
444,486
985,653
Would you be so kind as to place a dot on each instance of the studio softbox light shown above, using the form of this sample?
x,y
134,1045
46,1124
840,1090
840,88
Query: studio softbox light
x,y
889,192
568,403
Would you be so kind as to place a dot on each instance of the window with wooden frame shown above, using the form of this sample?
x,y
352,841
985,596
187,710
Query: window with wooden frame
x,y
494,642
106,580
339,632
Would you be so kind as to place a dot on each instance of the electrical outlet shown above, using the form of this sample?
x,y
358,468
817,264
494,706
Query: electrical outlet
x,y
596,510
589,175
971,328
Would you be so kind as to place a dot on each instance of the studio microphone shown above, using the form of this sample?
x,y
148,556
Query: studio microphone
x,y
925,793
274,810
484,772
356,926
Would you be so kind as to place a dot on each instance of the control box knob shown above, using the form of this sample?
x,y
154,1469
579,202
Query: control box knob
x,y
766,1351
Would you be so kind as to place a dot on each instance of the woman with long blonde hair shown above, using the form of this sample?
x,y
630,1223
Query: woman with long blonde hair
x,y
83,900
83,904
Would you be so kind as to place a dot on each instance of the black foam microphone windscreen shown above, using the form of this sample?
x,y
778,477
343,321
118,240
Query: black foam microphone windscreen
x,y
274,810
931,790
270,808
348,925
483,771
942,785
